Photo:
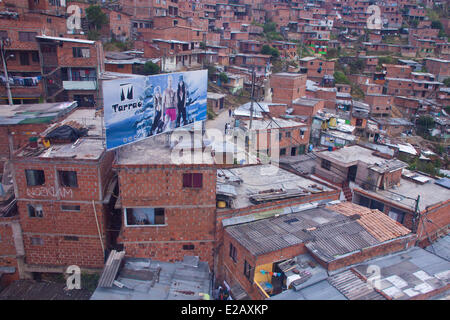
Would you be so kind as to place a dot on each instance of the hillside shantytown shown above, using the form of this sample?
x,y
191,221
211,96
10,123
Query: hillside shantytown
x,y
224,150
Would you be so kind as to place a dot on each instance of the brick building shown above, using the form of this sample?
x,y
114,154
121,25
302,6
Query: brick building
x,y
17,129
287,87
62,196
70,69
316,69
262,268
167,210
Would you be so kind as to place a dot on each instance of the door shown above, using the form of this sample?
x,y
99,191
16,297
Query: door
x,y
352,173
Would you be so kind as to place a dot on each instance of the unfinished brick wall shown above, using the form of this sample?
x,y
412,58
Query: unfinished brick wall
x,y
66,58
69,236
233,271
287,88
368,253
189,212
8,254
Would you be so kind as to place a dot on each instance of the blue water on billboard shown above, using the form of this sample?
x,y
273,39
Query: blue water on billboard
x,y
124,132
141,107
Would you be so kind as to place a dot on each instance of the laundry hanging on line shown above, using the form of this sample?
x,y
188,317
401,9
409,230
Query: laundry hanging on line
x,y
21,81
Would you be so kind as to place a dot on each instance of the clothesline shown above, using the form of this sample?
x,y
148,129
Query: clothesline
x,y
22,81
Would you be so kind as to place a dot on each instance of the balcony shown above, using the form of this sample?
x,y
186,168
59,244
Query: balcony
x,y
81,85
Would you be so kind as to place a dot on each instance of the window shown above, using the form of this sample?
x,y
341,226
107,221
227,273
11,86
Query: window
x,y
144,216
192,180
288,134
188,247
68,179
35,56
282,151
70,208
3,34
35,211
119,17
293,151
280,136
35,177
35,241
397,215
326,164
71,238
27,36
81,52
247,270
24,59
233,253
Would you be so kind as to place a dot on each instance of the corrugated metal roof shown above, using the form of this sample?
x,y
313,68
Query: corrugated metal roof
x,y
352,287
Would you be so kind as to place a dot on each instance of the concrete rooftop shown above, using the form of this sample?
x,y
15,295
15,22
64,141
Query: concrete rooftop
x,y
254,179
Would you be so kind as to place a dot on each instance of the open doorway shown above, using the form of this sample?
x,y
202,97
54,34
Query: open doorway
x,y
351,176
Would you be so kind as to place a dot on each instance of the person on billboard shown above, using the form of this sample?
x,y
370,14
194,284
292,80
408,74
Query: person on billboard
x,y
181,97
158,122
169,105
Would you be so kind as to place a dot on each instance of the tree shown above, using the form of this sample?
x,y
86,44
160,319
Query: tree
x,y
332,53
436,25
223,77
447,82
150,68
340,78
96,17
274,52
270,27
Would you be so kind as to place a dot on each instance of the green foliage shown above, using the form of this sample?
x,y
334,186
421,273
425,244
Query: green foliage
x,y
96,17
447,82
387,60
150,68
414,23
270,27
426,121
274,52
340,78
357,66
223,77
332,53
93,35
437,25
211,114
211,71
89,281
115,45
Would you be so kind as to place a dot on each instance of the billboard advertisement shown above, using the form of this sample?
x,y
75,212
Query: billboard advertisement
x,y
137,108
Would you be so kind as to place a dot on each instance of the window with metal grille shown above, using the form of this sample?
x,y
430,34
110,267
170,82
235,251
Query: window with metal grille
x,y
68,179
24,59
3,34
192,180
233,253
35,241
326,164
27,36
70,208
35,211
71,238
248,270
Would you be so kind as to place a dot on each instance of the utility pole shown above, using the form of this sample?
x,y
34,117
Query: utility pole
x,y
416,215
6,42
252,96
